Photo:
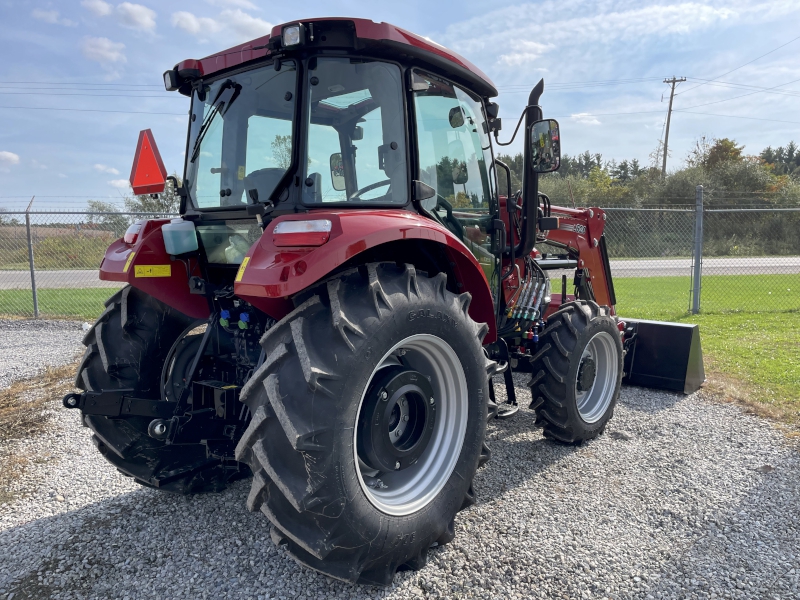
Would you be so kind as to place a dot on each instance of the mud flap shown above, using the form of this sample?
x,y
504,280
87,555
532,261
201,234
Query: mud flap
x,y
662,355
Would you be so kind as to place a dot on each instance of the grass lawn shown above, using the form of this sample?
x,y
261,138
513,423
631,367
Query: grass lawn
x,y
78,304
752,356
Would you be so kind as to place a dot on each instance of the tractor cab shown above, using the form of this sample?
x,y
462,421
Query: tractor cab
x,y
328,114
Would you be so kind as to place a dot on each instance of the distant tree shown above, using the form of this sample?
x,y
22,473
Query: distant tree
x,y
107,216
167,202
783,160
722,151
6,219
282,150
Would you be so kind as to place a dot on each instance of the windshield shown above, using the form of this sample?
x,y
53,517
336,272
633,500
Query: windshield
x,y
356,133
240,142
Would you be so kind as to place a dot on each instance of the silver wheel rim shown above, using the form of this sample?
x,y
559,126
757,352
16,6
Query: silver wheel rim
x,y
413,488
593,403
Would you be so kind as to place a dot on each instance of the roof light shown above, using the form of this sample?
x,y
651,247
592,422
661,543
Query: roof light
x,y
171,80
302,233
293,35
132,233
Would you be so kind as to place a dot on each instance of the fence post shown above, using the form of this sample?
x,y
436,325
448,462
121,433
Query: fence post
x,y
30,259
698,249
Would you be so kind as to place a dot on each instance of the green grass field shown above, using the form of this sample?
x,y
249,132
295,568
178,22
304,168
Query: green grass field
x,y
81,304
749,326
749,330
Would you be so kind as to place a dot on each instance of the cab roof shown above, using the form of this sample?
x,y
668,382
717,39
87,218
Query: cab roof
x,y
379,38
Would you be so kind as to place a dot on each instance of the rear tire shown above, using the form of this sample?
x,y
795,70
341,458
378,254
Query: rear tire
x,y
576,372
126,349
303,443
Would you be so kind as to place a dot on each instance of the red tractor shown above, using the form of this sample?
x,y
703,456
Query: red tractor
x,y
345,279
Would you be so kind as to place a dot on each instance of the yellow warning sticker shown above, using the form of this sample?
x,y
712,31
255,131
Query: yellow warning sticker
x,y
240,173
242,267
128,262
229,387
153,271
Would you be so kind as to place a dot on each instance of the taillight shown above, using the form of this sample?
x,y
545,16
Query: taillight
x,y
132,233
302,233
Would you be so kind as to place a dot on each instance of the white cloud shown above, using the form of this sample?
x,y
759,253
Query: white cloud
x,y
234,3
103,50
235,25
585,119
244,26
37,165
52,17
136,16
524,52
119,183
62,176
97,7
197,26
8,158
106,169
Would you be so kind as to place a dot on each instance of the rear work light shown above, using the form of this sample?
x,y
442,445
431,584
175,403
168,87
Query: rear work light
x,y
302,233
132,233
293,35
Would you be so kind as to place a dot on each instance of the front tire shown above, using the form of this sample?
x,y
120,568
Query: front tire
x,y
354,493
577,372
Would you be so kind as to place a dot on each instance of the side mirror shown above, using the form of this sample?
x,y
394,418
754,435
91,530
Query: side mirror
x,y
545,146
358,133
337,171
456,117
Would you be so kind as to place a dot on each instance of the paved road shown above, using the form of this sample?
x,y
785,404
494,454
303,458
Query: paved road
x,y
790,265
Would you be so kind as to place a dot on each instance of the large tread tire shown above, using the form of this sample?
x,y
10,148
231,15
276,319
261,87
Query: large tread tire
x,y
126,349
305,401
555,370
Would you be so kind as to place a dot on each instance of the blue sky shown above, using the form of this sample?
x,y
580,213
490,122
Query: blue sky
x,y
92,54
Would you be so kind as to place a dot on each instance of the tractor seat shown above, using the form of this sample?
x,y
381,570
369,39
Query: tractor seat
x,y
263,180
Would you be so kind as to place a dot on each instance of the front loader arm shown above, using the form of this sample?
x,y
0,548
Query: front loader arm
x,y
580,232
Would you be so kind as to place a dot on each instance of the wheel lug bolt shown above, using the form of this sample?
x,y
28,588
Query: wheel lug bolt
x,y
432,401
384,395
397,465
405,417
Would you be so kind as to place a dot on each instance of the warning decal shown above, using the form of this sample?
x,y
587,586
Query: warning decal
x,y
153,271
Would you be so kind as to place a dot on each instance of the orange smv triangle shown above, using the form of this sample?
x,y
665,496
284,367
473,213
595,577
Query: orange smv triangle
x,y
148,174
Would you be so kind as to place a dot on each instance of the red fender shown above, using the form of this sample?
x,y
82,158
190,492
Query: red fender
x,y
272,275
147,266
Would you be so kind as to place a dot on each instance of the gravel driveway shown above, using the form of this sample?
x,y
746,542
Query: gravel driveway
x,y
682,498
27,347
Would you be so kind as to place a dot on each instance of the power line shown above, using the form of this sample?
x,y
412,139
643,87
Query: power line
x,y
650,112
742,95
82,94
727,84
689,112
744,65
77,83
127,112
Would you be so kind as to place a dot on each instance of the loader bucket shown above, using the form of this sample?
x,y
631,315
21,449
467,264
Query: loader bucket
x,y
664,356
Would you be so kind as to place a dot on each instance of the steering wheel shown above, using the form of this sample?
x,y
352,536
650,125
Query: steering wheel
x,y
357,194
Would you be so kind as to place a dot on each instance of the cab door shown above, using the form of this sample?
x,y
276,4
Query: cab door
x,y
454,154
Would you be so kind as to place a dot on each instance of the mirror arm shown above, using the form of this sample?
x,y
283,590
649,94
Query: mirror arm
x,y
516,129
530,182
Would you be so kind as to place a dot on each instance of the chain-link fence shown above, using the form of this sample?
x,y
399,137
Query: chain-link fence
x,y
749,260
49,262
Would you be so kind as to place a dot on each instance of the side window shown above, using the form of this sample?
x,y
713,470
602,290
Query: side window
x,y
454,155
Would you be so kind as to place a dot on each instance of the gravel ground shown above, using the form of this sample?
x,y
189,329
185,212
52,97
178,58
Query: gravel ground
x,y
30,346
682,498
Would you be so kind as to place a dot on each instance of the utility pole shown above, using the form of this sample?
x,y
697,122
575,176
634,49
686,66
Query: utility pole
x,y
672,82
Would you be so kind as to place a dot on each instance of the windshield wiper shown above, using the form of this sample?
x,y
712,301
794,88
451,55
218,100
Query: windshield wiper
x,y
217,107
